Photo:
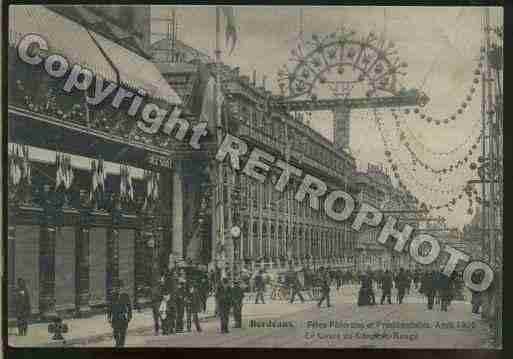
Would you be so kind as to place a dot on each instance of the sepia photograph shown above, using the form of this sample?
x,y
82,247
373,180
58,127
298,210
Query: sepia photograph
x,y
253,176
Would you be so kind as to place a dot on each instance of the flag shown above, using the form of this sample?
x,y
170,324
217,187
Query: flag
x,y
126,189
129,186
122,186
68,173
94,180
101,174
231,28
59,177
26,165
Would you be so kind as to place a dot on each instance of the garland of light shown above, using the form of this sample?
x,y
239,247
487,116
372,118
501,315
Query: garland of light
x,y
394,167
402,185
459,111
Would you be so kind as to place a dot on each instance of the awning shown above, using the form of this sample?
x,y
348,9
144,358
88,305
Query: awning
x,y
137,72
74,42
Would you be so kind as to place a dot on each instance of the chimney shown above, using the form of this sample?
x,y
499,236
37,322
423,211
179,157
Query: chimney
x,y
264,80
254,78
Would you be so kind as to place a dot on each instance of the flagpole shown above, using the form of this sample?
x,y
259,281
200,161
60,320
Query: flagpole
x,y
221,255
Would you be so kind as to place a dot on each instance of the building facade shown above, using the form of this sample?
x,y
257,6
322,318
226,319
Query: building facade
x,y
375,188
277,231
92,198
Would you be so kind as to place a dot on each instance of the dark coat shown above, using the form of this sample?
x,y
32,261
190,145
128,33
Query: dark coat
x,y
386,282
224,295
22,302
237,294
120,311
259,282
402,281
193,299
427,286
366,281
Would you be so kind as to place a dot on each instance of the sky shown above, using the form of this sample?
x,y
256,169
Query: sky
x,y
441,46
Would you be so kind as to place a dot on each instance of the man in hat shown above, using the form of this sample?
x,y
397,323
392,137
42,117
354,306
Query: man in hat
x,y
325,287
181,294
428,288
156,300
386,287
225,302
193,306
295,287
237,301
260,287
22,307
401,283
120,314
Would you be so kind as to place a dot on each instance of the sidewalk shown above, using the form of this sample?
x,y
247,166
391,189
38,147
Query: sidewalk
x,y
83,331
96,328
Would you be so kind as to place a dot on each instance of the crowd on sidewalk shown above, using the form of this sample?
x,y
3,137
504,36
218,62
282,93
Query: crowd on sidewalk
x,y
181,293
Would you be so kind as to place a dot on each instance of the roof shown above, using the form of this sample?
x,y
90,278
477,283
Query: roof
x,y
77,45
165,44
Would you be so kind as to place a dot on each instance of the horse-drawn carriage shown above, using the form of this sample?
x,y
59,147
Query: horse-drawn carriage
x,y
281,287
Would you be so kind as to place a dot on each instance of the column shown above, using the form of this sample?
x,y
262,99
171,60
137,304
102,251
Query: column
x,y
65,267
27,260
47,271
98,265
82,271
341,126
177,212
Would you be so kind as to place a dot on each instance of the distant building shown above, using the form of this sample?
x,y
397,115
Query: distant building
x,y
472,236
375,188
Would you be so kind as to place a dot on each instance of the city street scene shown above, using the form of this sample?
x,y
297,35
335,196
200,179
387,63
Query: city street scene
x,y
254,176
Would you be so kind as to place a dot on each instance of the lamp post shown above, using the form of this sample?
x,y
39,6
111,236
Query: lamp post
x,y
236,235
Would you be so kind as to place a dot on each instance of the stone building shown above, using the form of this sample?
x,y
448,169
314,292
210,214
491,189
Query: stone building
x,y
74,229
277,231
375,188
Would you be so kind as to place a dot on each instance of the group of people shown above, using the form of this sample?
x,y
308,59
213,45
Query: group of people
x,y
180,295
435,285
385,281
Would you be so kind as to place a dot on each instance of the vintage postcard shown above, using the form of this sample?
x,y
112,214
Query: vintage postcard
x,y
254,176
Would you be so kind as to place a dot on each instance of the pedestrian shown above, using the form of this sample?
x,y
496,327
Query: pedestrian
x,y
225,303
386,287
444,288
296,288
325,288
156,300
181,294
476,301
22,307
401,283
193,306
237,301
120,314
338,277
260,287
204,291
427,287
170,289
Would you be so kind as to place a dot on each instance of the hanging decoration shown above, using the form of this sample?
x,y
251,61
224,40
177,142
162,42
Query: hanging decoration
x,y
445,120
126,188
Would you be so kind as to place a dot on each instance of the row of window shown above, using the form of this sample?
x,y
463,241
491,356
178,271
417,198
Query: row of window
x,y
314,242
265,196
298,140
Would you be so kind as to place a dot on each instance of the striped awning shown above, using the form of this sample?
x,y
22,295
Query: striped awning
x,y
76,44
137,72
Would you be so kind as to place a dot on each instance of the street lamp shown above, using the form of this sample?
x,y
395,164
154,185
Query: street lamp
x,y
235,232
